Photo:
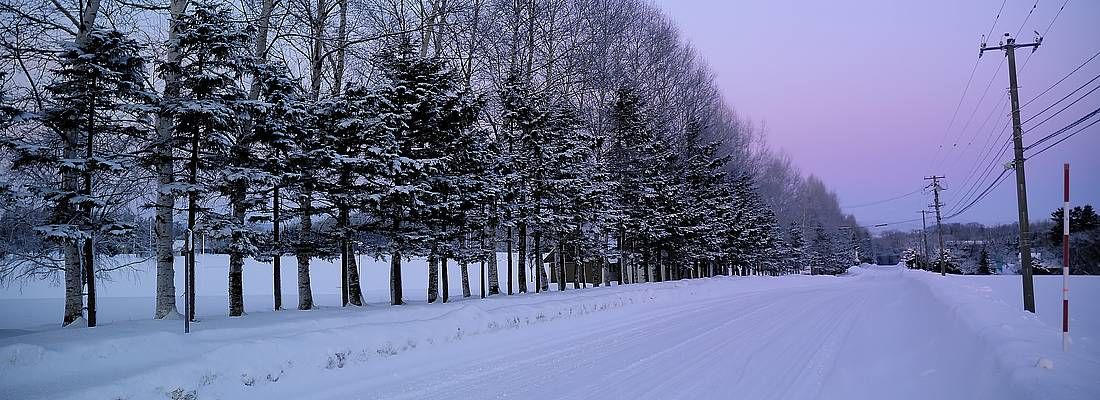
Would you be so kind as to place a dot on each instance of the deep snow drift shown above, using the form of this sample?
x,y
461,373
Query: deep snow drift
x,y
879,333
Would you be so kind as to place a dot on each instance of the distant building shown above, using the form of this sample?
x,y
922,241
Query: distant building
x,y
887,259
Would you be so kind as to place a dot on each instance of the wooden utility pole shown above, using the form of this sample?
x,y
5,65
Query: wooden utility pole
x,y
924,232
1009,46
936,188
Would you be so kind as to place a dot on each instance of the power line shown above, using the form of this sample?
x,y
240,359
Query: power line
x,y
884,224
1064,99
1063,79
1063,108
1000,107
972,186
992,162
1063,139
966,89
977,106
988,144
1004,173
1063,7
995,19
884,200
1029,12
999,65
996,182
1064,129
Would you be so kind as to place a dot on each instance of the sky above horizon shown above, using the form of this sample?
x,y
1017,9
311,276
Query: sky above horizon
x,y
862,92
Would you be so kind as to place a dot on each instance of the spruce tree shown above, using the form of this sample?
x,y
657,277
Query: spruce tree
x,y
640,168
346,127
98,86
823,253
214,55
523,117
983,263
797,256
425,118
698,198
281,118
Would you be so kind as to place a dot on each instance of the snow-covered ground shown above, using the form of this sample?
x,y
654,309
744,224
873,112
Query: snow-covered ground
x,y
37,305
879,333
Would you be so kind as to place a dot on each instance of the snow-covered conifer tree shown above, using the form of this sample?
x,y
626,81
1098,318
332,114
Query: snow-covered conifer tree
x,y
426,116
97,93
214,55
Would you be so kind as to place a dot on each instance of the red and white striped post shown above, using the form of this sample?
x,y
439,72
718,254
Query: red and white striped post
x,y
1065,260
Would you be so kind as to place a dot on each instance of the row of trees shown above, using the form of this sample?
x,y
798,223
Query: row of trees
x,y
441,129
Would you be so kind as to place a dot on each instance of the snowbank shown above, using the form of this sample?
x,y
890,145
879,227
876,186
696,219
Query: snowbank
x,y
1025,347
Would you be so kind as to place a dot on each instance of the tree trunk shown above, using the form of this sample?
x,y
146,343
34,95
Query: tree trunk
x,y
276,261
446,281
166,199
89,256
263,25
561,267
543,282
493,281
605,275
662,275
522,271
74,291
343,244
316,56
433,276
578,269
537,264
341,48
305,239
192,222
509,250
355,292
236,257
396,297
463,267
74,302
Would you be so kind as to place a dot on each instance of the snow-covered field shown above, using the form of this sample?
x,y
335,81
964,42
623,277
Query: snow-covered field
x,y
879,333
129,294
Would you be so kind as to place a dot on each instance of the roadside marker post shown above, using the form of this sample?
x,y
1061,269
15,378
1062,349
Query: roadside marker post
x,y
1065,259
189,246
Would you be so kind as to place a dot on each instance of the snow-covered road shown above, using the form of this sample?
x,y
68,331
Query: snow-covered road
x,y
882,333
876,337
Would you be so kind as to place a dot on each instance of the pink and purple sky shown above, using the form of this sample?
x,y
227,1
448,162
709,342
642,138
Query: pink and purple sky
x,y
862,92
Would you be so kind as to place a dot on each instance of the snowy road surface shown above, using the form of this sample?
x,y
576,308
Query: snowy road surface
x,y
873,338
884,333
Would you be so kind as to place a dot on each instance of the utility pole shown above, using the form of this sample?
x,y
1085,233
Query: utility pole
x,y
1009,46
924,232
936,188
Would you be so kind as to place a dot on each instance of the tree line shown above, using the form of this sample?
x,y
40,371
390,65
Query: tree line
x,y
974,248
444,129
